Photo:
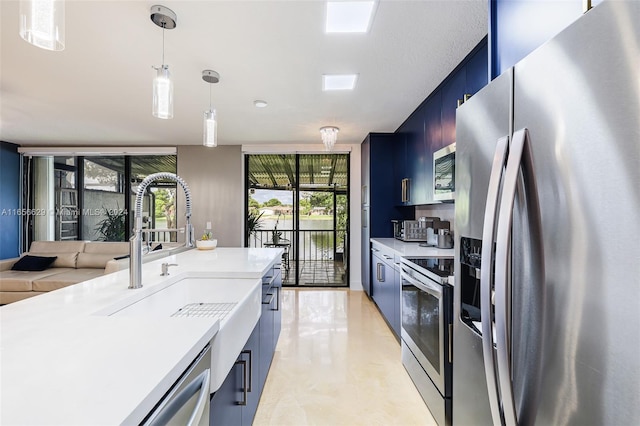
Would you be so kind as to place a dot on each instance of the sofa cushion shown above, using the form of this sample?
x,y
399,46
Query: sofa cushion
x,y
93,260
22,280
74,276
104,247
57,246
33,263
64,260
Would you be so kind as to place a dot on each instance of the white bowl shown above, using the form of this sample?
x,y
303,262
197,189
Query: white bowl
x,y
206,244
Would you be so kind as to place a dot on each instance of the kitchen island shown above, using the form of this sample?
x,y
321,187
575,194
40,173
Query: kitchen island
x,y
68,357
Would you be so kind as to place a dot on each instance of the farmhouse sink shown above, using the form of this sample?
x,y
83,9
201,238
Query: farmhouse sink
x,y
235,302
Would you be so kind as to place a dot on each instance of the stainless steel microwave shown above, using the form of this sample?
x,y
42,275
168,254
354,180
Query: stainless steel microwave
x,y
444,173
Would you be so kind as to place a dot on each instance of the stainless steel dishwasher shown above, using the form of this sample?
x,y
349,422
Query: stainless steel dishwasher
x,y
187,402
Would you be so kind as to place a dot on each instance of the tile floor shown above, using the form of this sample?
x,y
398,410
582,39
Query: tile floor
x,y
337,363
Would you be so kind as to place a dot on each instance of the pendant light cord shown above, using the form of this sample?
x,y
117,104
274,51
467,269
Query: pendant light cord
x,y
163,28
210,108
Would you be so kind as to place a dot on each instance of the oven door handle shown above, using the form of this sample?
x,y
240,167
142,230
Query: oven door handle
x,y
434,289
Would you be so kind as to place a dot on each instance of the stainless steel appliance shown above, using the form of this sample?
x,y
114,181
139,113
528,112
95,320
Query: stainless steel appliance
x,y
187,402
426,325
546,293
444,173
410,230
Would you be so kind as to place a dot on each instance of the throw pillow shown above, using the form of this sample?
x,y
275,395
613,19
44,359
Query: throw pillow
x,y
33,263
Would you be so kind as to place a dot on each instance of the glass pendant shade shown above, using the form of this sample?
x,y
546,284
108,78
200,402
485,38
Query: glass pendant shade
x,y
163,93
42,23
210,138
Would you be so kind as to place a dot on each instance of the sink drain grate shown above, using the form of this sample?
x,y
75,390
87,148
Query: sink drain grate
x,y
205,310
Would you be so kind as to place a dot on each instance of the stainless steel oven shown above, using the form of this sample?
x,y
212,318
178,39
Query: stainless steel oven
x,y
426,330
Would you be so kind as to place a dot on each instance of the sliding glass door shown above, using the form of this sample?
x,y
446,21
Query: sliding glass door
x,y
299,203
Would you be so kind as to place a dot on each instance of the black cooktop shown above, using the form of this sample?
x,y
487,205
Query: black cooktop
x,y
441,267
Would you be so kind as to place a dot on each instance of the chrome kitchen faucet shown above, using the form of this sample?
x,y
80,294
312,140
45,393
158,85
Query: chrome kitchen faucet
x,y
135,257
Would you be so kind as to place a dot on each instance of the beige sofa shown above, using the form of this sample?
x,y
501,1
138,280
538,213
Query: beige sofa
x,y
76,261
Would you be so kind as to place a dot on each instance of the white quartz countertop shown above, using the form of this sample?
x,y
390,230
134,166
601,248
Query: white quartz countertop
x,y
413,249
65,361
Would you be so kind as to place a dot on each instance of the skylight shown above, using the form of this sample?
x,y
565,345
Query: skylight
x,y
349,16
339,81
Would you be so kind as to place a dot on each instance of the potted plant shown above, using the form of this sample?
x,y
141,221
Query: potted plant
x,y
111,228
206,242
253,222
275,234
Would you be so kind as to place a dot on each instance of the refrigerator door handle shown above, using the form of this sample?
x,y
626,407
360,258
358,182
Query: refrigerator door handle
x,y
486,284
519,165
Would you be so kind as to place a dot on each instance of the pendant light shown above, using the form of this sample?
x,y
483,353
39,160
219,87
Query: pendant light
x,y
329,136
42,23
210,127
165,18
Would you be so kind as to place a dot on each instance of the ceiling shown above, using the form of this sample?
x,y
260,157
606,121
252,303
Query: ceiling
x,y
97,92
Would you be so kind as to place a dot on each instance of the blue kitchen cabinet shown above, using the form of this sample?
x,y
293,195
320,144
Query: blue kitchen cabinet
x,y
453,89
270,322
518,27
477,69
399,168
417,159
386,286
378,194
236,401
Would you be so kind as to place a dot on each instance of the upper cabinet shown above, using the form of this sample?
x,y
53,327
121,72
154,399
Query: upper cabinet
x,y
432,126
518,27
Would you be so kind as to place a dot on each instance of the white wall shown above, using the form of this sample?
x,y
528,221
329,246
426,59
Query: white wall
x,y
355,279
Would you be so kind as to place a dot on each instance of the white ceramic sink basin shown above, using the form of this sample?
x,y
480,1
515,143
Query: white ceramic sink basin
x,y
243,295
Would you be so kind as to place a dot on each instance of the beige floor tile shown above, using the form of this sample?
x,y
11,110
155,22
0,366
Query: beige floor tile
x,y
337,363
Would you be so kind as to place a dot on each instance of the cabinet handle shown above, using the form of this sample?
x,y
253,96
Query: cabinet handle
x,y
277,299
249,352
450,343
244,381
378,271
270,299
387,257
405,190
381,268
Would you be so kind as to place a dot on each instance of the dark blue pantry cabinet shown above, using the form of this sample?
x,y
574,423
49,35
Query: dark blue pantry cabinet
x,y
378,193
236,402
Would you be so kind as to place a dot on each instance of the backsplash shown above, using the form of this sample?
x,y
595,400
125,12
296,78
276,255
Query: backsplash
x,y
445,211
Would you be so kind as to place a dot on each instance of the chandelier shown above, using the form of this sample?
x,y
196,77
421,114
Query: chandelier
x,y
329,136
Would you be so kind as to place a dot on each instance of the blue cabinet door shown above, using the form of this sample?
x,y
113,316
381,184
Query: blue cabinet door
x,y
225,409
396,301
381,187
399,168
417,157
477,70
252,355
518,27
453,89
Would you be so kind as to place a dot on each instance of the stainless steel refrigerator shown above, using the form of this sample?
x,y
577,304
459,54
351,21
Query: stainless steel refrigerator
x,y
547,287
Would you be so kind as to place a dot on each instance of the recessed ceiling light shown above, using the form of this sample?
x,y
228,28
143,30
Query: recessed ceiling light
x,y
339,81
349,16
260,104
